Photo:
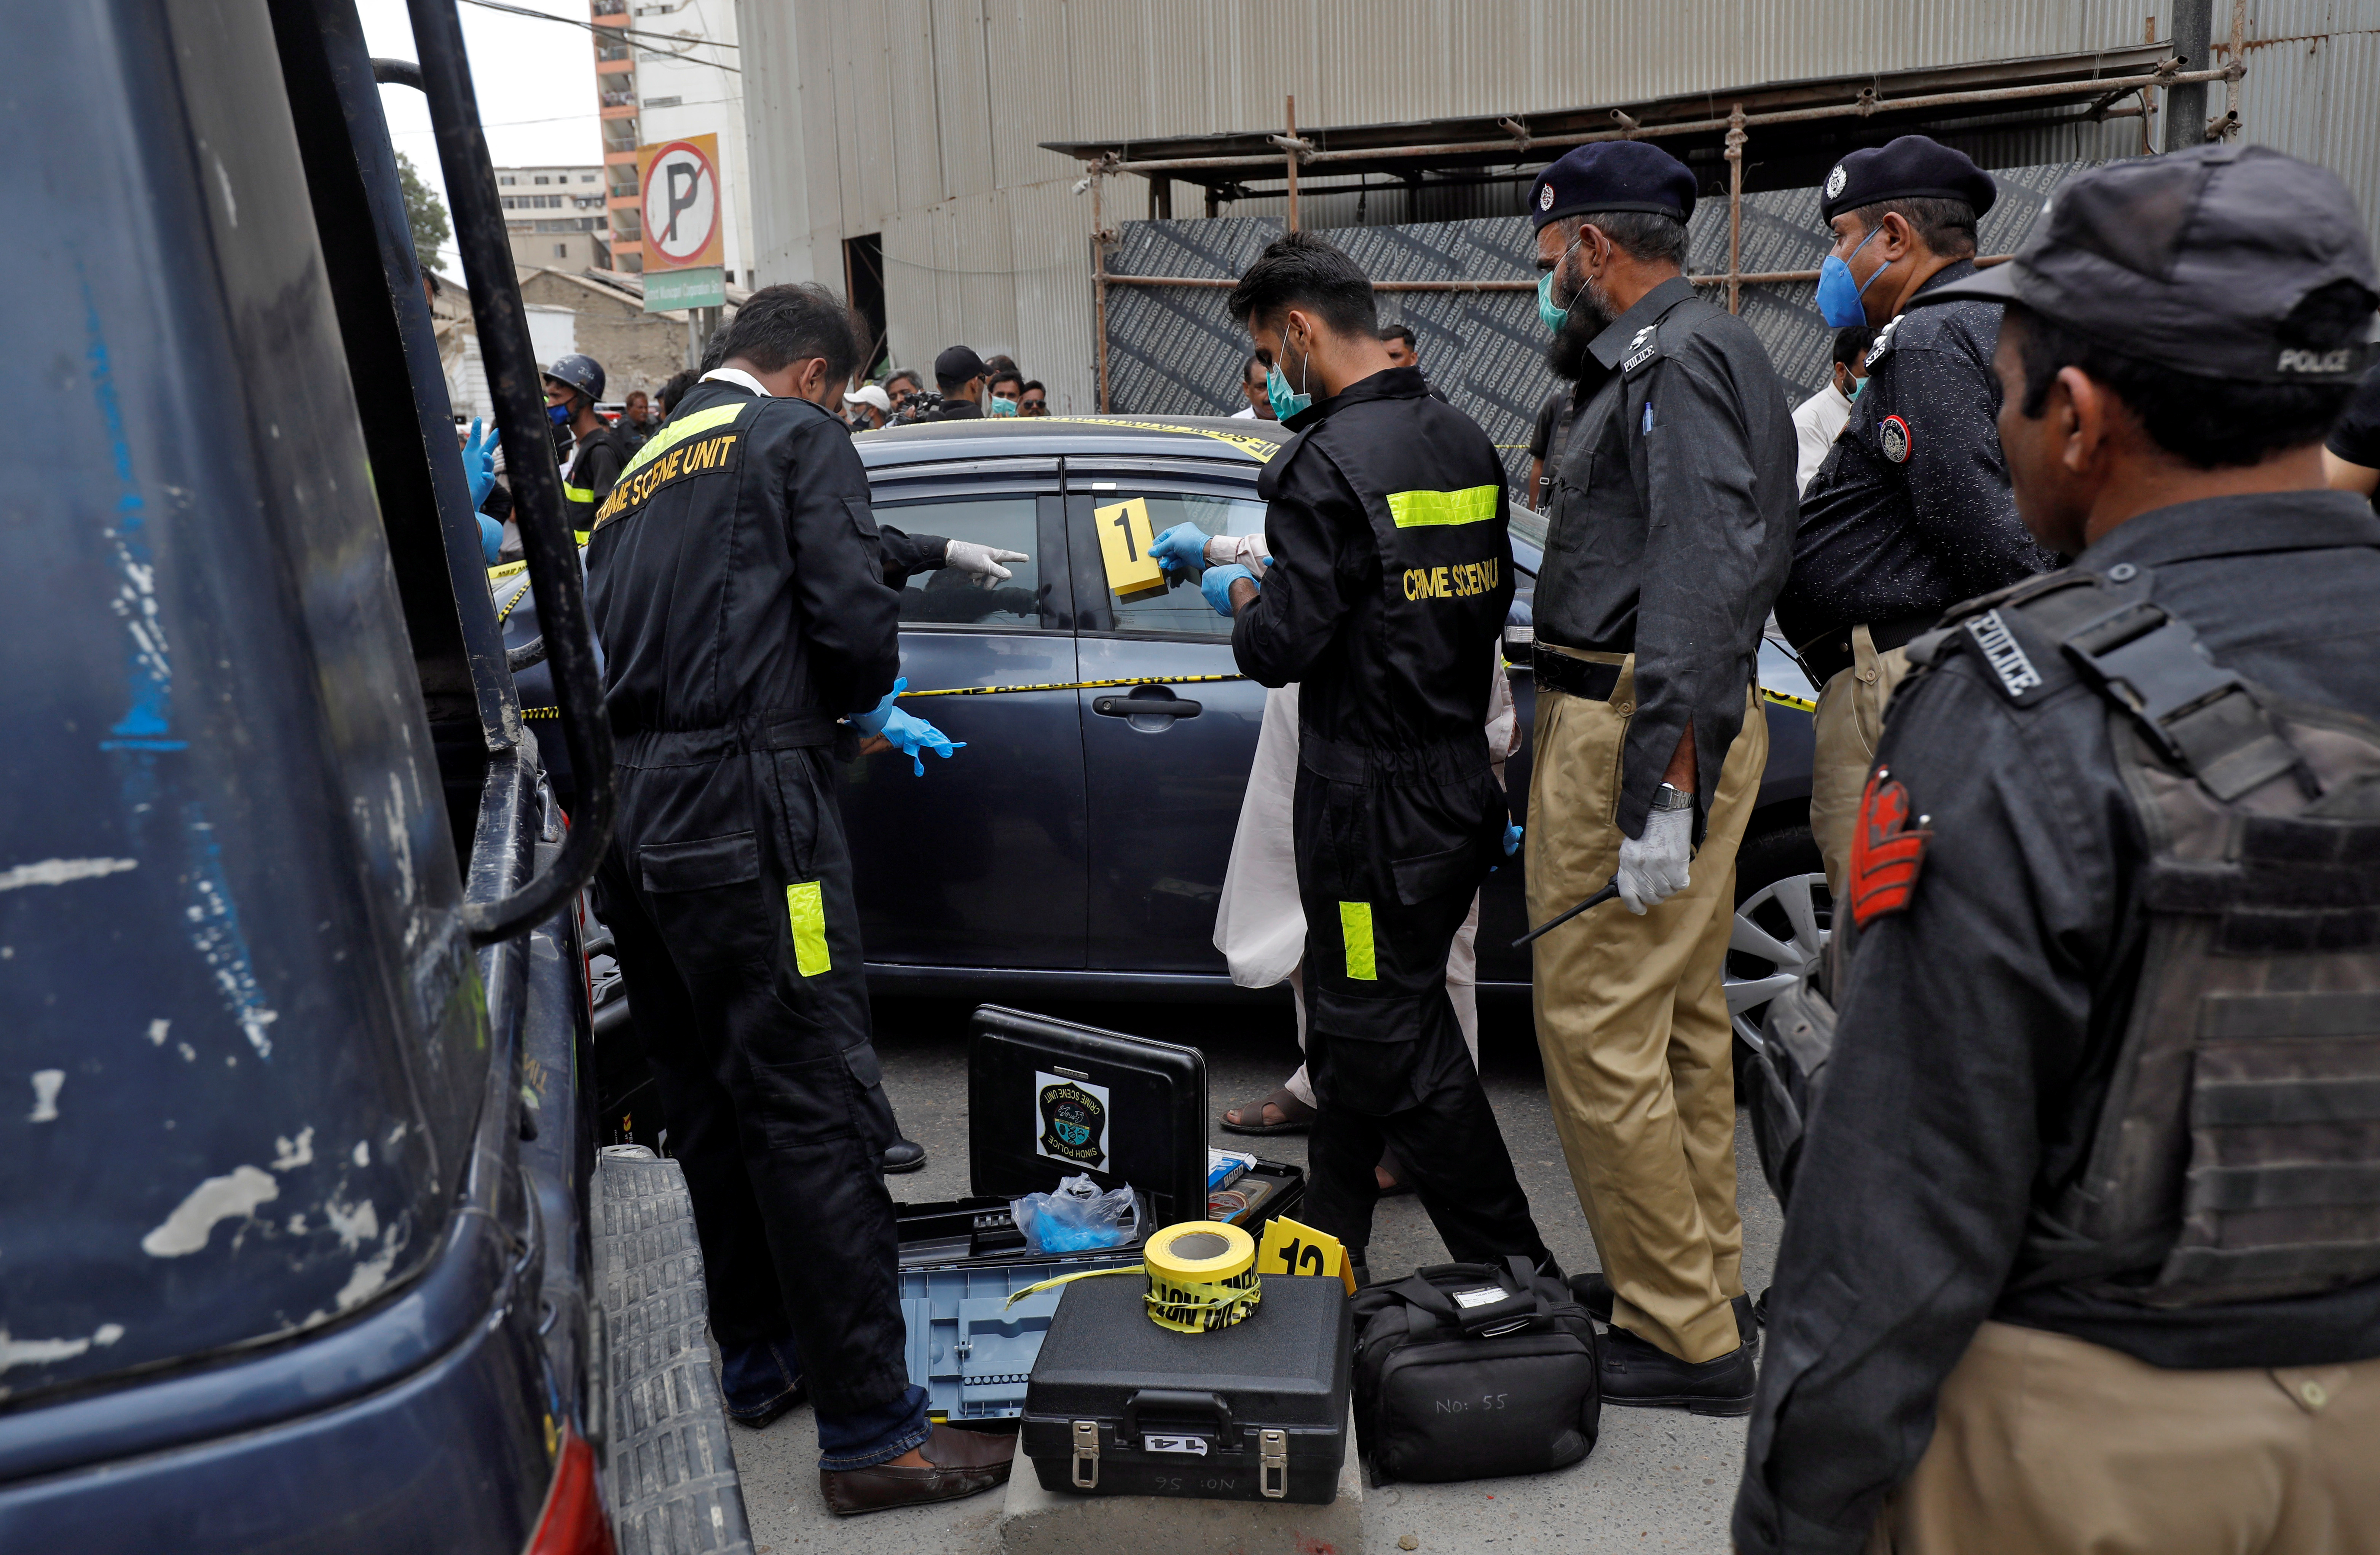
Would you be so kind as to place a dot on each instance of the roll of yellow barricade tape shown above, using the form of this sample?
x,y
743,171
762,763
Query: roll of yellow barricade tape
x,y
1202,1275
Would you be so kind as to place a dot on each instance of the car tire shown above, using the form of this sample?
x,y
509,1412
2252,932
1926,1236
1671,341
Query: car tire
x,y
1782,916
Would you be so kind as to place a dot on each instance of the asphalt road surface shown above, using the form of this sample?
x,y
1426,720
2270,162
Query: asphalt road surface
x,y
1658,1479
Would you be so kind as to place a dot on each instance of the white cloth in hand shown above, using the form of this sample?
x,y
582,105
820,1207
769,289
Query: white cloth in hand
x,y
1244,551
984,561
1653,867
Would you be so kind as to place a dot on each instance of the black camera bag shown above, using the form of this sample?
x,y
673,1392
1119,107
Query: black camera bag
x,y
1468,1371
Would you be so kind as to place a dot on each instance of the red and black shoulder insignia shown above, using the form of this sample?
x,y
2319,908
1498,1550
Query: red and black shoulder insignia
x,y
1886,849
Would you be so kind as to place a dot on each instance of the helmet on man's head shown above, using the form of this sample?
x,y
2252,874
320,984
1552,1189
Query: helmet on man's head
x,y
582,373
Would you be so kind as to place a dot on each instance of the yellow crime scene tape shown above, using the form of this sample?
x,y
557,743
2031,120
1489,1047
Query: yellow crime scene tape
x,y
1201,1273
1075,685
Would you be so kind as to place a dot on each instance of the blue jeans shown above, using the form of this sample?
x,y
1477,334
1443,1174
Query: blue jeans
x,y
765,1376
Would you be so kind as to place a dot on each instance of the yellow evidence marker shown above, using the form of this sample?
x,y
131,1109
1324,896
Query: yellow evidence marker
x,y
1291,1249
1124,538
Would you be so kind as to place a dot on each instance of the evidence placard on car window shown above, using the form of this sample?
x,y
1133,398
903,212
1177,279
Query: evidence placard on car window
x,y
1124,539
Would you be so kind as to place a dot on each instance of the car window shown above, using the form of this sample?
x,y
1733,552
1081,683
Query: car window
x,y
949,596
1181,608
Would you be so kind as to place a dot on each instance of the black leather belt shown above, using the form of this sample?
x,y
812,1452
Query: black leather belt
x,y
1574,677
1829,653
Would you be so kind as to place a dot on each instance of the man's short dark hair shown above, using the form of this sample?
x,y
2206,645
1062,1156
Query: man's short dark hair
x,y
1945,226
1647,235
1302,270
780,325
1852,343
900,375
1008,375
1399,331
680,382
1033,383
2207,422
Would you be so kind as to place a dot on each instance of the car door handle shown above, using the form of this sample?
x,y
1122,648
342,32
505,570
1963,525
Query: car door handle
x,y
1162,706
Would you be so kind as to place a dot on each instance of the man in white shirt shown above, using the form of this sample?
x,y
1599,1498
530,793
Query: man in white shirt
x,y
1820,419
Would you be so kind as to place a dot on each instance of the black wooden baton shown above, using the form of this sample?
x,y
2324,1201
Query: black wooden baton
x,y
1610,890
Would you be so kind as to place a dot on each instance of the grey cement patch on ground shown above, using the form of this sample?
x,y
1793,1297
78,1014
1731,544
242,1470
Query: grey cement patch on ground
x,y
1658,1479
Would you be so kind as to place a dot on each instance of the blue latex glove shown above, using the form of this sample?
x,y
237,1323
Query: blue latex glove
x,y
1217,585
872,721
910,734
1511,839
492,537
479,464
1181,548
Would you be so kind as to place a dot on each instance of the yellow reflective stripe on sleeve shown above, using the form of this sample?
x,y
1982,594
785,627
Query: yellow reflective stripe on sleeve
x,y
1414,509
1356,927
681,427
806,904
577,493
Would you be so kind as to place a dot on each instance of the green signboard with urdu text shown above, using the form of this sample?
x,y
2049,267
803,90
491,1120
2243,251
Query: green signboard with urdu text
x,y
669,290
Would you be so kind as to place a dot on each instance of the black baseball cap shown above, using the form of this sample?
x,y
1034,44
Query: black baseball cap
x,y
957,365
1612,175
1911,167
2191,260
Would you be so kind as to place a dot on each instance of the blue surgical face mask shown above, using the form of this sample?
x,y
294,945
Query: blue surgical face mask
x,y
1554,317
1858,384
1284,403
995,405
1838,295
558,415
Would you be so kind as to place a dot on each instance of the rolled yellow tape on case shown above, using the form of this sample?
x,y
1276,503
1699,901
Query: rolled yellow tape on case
x,y
1202,1275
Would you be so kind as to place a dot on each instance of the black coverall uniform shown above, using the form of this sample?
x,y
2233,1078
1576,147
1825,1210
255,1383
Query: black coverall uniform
x,y
1392,573
594,469
1978,1026
736,583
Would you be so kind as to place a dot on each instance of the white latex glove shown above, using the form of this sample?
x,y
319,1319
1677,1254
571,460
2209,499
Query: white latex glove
x,y
1653,867
984,561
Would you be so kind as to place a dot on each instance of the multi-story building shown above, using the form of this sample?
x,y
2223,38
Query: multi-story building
x,y
555,217
664,71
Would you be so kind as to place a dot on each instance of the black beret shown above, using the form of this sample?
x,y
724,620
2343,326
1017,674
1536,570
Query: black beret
x,y
1612,175
1914,167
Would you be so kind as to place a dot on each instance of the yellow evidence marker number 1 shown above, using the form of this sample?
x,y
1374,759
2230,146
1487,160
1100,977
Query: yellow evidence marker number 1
x,y
1126,535
1291,1249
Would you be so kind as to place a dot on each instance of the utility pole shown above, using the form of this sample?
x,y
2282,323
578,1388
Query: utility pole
x,y
2185,106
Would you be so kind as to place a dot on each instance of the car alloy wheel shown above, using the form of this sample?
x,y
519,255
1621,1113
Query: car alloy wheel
x,y
1780,931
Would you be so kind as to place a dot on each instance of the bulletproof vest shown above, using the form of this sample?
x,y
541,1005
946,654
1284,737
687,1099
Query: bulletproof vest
x,y
2237,1157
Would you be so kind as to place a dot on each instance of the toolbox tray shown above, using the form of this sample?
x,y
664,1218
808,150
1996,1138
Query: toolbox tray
x,y
1140,1410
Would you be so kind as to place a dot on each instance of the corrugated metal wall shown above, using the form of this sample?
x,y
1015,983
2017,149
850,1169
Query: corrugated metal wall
x,y
921,120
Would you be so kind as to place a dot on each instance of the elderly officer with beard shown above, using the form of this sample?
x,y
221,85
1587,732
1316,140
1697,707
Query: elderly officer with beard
x,y
1671,526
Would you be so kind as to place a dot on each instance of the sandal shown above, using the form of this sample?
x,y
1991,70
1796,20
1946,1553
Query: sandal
x,y
1296,1117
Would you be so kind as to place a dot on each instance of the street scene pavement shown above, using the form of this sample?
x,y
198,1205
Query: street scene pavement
x,y
1658,1479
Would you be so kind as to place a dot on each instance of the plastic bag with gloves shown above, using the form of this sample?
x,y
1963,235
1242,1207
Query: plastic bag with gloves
x,y
1079,1216
983,561
906,733
1653,867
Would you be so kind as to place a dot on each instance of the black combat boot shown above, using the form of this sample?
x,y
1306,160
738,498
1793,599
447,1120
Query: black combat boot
x,y
1594,1293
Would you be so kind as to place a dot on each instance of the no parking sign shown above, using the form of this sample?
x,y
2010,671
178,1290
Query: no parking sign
x,y
679,185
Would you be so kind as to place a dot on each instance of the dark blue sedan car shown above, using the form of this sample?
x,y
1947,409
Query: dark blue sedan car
x,y
1077,845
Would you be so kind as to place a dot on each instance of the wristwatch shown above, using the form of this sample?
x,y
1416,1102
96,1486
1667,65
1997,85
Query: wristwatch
x,y
1669,797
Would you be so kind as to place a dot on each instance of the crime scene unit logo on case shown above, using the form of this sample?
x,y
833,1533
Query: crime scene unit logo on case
x,y
1545,198
1073,1118
1892,438
1835,180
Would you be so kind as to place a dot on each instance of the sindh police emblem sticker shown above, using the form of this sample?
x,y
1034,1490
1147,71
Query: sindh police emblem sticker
x,y
1545,198
1892,438
1072,1115
1835,180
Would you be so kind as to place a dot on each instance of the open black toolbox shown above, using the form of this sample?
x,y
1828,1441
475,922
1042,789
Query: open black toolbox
x,y
1047,1099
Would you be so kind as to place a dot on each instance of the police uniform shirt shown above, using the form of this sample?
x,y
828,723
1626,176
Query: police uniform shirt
x,y
1911,512
2355,436
1386,662
1979,1021
1671,522
735,572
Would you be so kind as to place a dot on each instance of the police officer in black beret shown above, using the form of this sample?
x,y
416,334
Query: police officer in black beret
x,y
1911,512
1670,523
2091,1197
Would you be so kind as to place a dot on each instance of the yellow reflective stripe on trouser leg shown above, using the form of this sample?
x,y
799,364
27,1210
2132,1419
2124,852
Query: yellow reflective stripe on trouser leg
x,y
805,905
1356,927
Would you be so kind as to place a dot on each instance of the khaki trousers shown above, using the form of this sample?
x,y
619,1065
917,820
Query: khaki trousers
x,y
1849,722
1632,1021
2047,1444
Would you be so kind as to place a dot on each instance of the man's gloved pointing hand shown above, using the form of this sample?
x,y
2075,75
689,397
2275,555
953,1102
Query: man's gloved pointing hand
x,y
1653,867
904,732
984,561
1181,549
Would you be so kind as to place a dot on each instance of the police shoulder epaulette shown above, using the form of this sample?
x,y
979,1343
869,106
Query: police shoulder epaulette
x,y
2015,634
1643,346
1883,341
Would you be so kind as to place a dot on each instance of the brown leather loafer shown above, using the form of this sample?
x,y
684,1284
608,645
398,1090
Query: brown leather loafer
x,y
965,1463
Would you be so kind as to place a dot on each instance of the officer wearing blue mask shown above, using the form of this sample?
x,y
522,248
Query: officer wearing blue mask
x,y
1910,513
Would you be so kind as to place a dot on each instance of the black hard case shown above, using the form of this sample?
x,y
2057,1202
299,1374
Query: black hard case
x,y
1283,1368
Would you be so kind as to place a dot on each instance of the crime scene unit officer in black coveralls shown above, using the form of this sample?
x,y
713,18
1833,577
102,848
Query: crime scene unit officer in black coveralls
x,y
598,449
2091,1194
736,581
1392,573
1911,512
1667,534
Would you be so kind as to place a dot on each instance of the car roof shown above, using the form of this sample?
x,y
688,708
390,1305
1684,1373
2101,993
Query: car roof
x,y
1245,441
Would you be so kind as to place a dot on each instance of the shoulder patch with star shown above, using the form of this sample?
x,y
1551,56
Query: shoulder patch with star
x,y
1643,346
1887,851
